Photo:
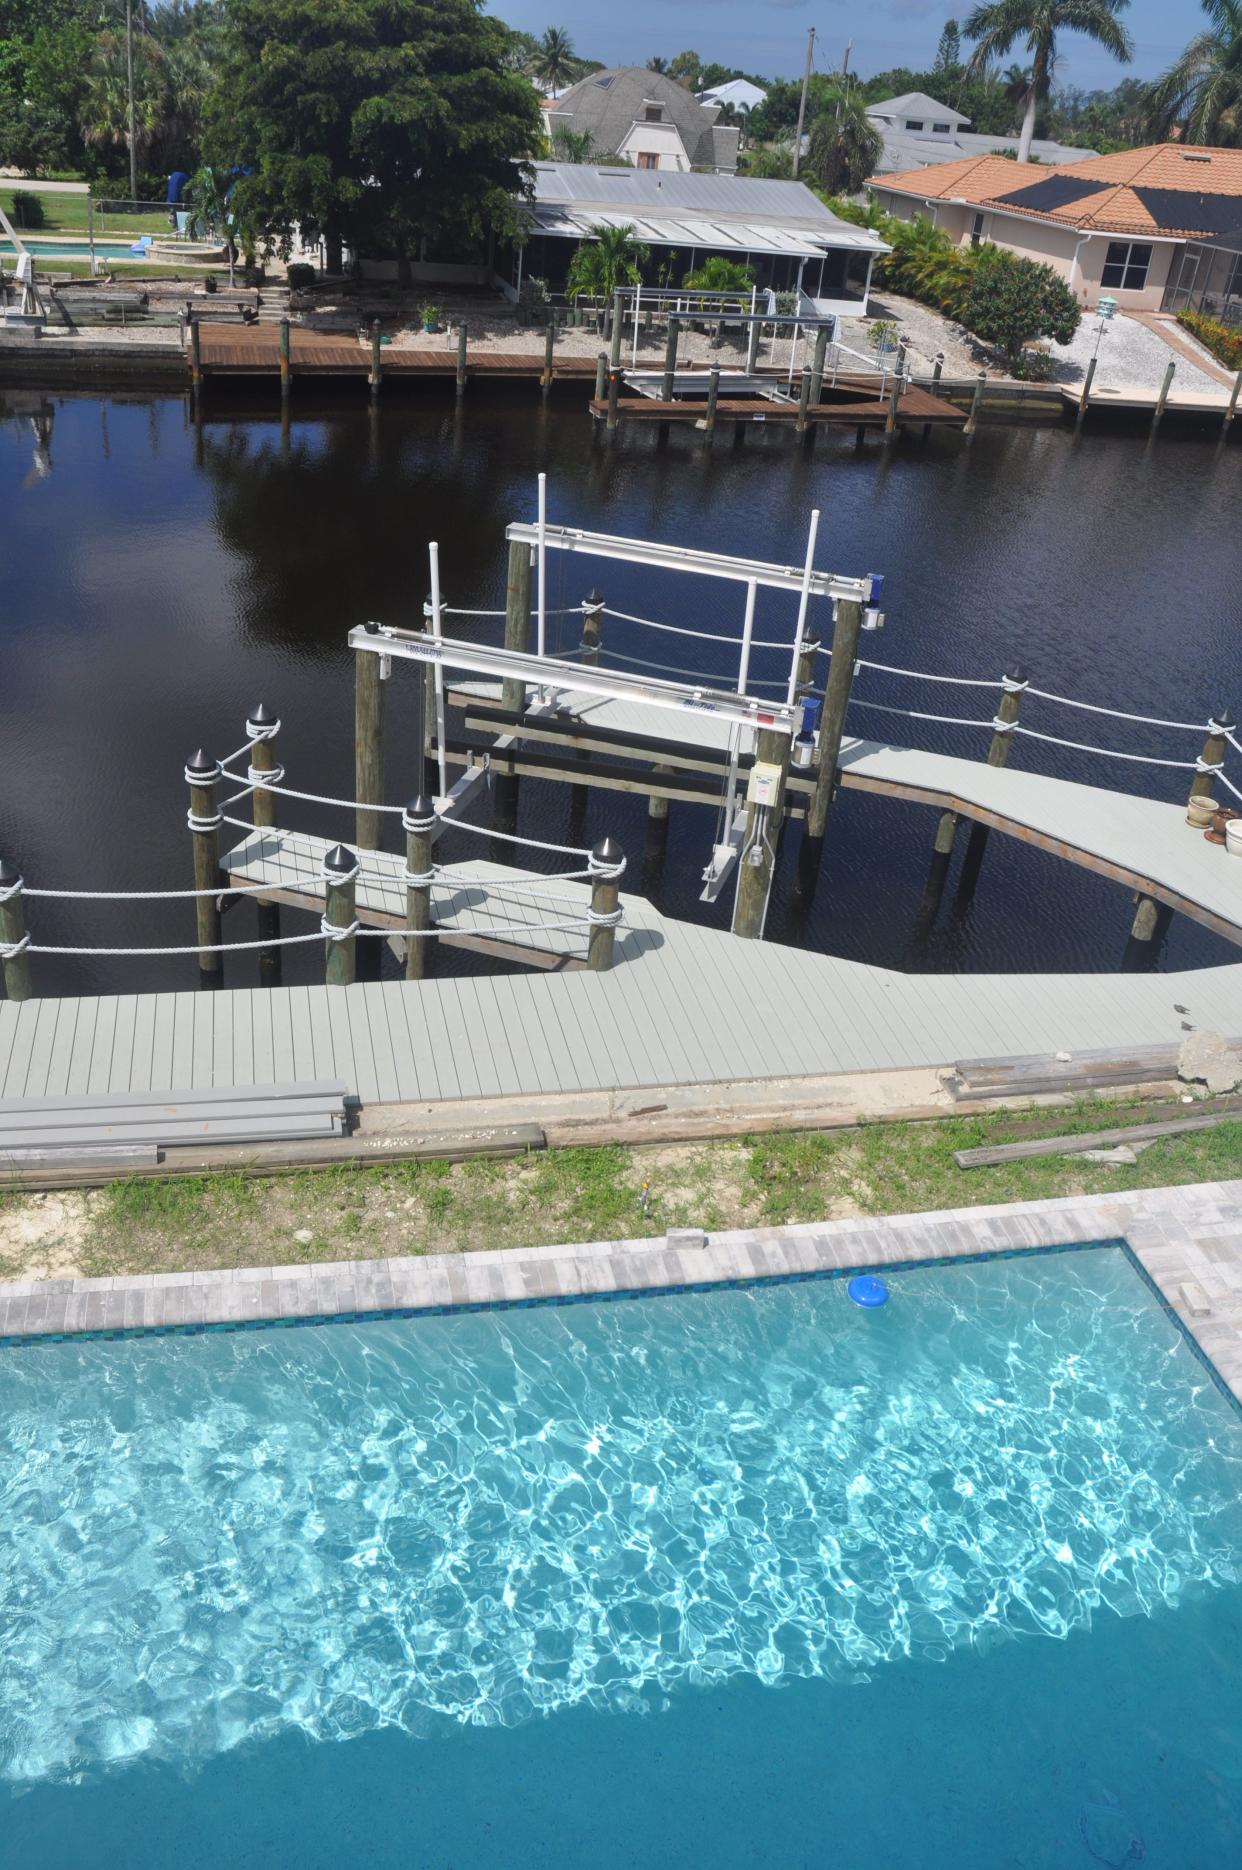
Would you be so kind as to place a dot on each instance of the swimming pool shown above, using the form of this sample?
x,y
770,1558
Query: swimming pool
x,y
73,249
725,1578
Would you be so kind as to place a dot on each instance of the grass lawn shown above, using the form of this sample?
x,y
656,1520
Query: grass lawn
x,y
66,214
574,1194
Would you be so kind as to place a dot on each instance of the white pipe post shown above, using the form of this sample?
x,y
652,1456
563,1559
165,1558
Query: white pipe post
x,y
541,570
433,551
803,600
748,630
638,300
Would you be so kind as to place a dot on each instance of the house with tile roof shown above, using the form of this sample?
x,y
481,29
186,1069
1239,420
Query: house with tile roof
x,y
1119,224
647,119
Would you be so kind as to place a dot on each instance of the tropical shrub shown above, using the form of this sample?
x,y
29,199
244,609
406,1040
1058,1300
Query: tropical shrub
x,y
720,275
610,258
1013,300
1035,366
1224,341
27,209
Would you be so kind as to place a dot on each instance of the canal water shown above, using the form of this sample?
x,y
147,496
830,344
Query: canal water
x,y
157,584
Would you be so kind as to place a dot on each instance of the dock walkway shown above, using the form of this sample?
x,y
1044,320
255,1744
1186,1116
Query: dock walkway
x,y
1144,844
684,1007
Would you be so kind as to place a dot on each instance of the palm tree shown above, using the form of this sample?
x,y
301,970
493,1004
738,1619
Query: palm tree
x,y
657,64
716,274
577,146
610,258
998,27
105,95
845,145
1203,90
554,63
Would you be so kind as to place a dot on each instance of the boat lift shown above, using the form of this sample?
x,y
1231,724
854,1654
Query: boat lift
x,y
31,312
546,676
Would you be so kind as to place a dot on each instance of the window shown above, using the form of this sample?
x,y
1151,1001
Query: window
x,y
1233,285
914,123
942,129
976,232
647,159
1126,264
654,113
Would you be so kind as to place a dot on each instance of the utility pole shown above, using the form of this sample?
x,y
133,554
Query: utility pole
x,y
806,80
129,73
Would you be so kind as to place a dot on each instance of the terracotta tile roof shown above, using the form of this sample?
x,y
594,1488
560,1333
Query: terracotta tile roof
x,y
1168,189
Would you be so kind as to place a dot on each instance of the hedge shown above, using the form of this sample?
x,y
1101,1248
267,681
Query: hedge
x,y
1224,341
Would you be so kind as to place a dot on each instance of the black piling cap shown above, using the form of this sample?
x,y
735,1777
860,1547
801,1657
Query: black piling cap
x,y
261,716
9,874
1018,672
371,628
594,597
199,763
341,860
420,806
1225,719
607,851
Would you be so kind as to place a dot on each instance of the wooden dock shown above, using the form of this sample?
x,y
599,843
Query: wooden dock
x,y
254,351
850,403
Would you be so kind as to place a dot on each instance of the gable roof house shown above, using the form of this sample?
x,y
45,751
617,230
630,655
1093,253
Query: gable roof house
x,y
650,121
740,93
919,131
1136,225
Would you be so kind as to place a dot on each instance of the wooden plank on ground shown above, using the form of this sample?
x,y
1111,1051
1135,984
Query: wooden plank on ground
x,y
997,1153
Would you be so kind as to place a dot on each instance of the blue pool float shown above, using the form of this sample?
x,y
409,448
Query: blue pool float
x,y
868,1291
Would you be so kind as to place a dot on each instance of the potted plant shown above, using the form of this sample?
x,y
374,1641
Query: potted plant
x,y
431,318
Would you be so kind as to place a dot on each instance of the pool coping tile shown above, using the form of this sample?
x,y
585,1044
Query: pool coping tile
x,y
1186,1241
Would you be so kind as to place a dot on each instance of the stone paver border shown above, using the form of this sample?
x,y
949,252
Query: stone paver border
x,y
1187,1240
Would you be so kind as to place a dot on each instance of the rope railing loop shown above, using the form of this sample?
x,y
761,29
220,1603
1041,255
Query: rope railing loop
x,y
608,872
422,880
9,890
337,931
261,781
258,730
204,823
1002,727
328,875
606,918
417,824
1015,685
9,951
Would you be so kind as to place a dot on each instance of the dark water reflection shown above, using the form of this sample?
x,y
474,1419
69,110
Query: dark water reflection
x,y
157,584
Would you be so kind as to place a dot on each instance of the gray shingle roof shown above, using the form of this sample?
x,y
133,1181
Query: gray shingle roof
x,y
609,103
916,104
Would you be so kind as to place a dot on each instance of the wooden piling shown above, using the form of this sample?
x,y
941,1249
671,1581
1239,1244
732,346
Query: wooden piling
x,y
286,361
1221,724
614,394
549,354
517,622
419,820
614,356
262,727
462,339
894,395
817,365
752,346
758,854
368,745
804,403
601,376
937,373
976,404
1008,709
1085,397
1232,410
847,626
376,364
13,934
592,627
204,820
196,355
1150,926
1163,397
713,397
606,864
340,875
669,379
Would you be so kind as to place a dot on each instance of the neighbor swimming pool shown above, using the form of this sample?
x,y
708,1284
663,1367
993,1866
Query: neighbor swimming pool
x,y
748,1577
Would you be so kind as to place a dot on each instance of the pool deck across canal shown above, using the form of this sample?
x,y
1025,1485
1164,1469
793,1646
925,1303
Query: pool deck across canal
x,y
1188,1241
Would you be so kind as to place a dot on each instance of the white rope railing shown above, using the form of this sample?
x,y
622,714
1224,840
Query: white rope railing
x,y
332,932
706,636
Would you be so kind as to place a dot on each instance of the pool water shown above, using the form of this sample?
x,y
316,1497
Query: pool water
x,y
72,249
727,1578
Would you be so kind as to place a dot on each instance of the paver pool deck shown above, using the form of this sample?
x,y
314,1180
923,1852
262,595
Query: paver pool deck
x,y
1187,1240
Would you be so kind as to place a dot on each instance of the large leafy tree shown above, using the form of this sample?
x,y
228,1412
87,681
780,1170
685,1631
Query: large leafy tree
x,y
1013,300
383,123
1202,92
845,145
1034,25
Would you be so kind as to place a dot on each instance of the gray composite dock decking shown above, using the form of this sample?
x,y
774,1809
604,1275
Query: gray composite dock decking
x,y
1144,844
685,1006
473,904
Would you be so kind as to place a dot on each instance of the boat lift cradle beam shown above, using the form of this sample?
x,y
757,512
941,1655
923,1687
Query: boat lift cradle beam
x,y
686,558
548,672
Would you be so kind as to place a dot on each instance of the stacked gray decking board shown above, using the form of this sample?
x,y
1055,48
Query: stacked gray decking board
x,y
684,1006
92,1122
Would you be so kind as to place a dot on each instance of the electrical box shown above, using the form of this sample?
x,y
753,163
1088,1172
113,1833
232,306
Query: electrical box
x,y
765,783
